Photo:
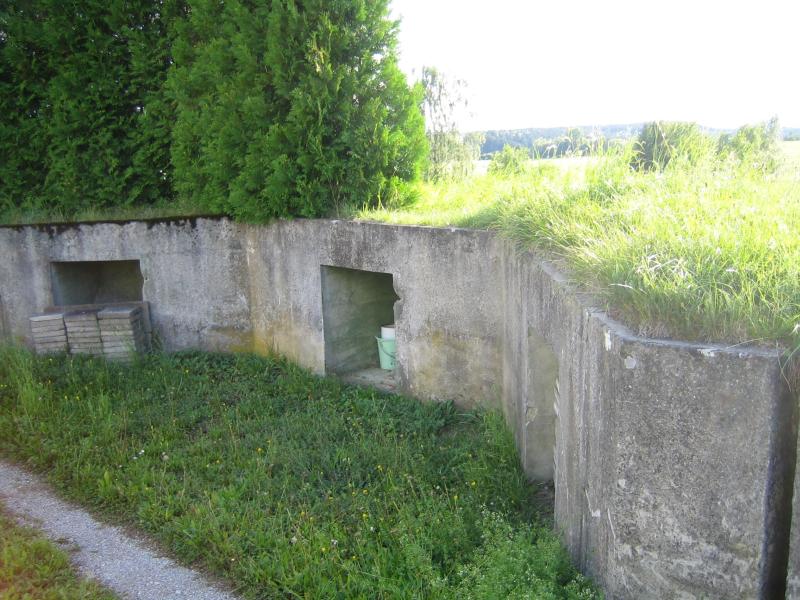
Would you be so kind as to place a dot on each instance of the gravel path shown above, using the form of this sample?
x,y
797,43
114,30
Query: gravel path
x,y
129,567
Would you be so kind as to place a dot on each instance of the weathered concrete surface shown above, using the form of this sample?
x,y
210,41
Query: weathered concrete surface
x,y
448,316
793,575
194,270
673,463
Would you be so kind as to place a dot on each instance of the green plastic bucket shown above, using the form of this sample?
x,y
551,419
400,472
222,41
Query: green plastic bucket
x,y
387,353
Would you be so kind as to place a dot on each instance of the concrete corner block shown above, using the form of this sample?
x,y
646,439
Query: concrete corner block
x,y
692,501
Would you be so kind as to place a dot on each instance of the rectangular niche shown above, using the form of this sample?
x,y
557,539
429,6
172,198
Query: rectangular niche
x,y
96,282
354,306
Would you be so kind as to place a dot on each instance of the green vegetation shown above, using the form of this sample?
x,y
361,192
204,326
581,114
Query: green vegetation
x,y
509,161
558,142
660,142
452,155
83,118
555,142
253,109
287,484
292,108
32,568
704,248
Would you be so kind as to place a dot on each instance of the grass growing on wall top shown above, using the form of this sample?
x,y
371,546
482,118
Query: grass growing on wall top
x,y
698,251
158,210
287,484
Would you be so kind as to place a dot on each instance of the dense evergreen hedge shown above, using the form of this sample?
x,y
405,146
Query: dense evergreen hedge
x,y
83,117
254,108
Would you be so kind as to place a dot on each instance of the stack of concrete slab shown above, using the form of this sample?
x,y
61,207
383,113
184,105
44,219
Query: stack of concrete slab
x,y
49,333
122,331
83,332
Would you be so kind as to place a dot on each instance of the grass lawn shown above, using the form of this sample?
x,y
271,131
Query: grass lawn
x,y
32,568
706,251
289,485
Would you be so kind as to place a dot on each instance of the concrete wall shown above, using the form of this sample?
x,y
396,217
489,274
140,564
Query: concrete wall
x,y
448,315
792,373
194,272
673,463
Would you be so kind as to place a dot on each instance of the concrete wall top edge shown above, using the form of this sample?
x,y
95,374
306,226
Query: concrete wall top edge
x,y
61,226
586,300
624,333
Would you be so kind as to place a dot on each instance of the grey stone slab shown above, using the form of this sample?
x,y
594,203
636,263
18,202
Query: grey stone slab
x,y
47,325
50,350
83,326
122,344
52,333
119,313
121,332
43,318
123,347
111,323
38,339
132,343
50,345
81,315
120,324
121,340
48,330
63,341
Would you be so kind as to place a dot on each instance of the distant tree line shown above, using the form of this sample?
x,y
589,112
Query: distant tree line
x,y
254,108
554,142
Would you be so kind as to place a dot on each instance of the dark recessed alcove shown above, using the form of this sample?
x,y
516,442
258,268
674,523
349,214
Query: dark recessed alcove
x,y
96,282
355,304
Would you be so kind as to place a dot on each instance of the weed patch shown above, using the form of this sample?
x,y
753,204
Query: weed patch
x,y
700,250
287,484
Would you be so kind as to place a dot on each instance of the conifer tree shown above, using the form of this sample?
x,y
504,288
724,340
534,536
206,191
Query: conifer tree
x,y
84,123
294,107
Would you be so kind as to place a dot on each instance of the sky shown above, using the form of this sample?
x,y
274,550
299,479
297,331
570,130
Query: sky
x,y
533,63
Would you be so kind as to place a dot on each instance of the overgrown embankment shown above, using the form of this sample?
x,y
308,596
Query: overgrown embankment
x,y
287,484
705,248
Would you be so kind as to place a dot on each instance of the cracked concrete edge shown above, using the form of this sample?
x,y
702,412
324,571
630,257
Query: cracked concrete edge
x,y
129,567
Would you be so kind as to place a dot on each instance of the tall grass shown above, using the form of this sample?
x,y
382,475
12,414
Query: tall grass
x,y
703,249
287,484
